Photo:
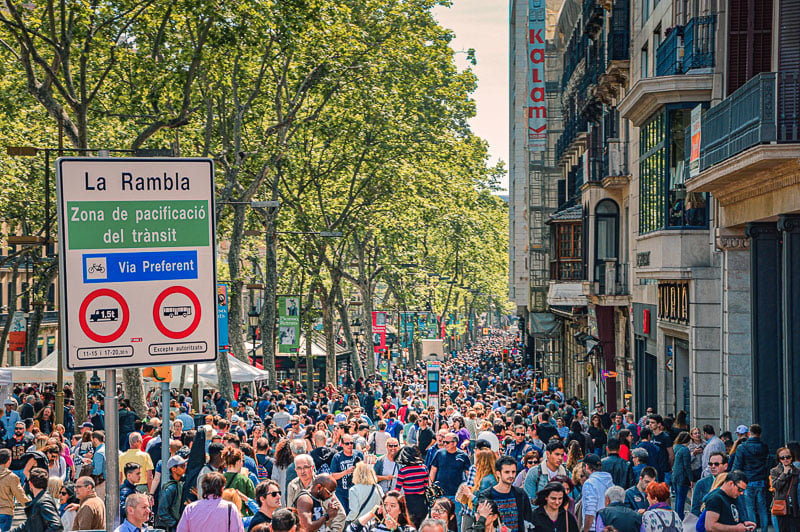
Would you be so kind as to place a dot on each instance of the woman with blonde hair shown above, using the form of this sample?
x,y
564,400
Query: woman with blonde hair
x,y
54,485
484,479
365,493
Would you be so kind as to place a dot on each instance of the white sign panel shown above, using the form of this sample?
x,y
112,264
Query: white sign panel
x,y
137,263
694,156
537,106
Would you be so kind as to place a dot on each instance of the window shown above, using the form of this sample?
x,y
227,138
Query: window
x,y
652,159
663,200
749,40
607,220
568,246
645,11
645,72
657,37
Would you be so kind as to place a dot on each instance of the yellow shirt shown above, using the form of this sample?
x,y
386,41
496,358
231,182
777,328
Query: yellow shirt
x,y
137,457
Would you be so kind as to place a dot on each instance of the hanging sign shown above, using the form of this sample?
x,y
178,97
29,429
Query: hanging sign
x,y
537,106
288,324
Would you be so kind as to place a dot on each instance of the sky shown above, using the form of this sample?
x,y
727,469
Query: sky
x,y
483,25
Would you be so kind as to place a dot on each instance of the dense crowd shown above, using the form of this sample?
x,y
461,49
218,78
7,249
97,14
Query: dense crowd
x,y
373,455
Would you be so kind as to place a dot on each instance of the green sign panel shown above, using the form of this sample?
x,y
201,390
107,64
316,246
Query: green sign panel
x,y
288,324
137,224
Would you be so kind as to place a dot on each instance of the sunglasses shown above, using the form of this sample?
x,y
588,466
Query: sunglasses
x,y
347,443
64,492
392,445
274,493
719,463
741,490
786,457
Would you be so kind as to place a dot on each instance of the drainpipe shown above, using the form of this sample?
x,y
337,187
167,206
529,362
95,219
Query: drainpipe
x,y
722,282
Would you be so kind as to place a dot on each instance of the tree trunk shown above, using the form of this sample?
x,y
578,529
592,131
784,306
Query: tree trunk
x,y
358,370
309,360
366,296
224,372
134,389
235,325
268,310
79,391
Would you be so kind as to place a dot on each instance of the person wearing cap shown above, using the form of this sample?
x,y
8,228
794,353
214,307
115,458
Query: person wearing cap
x,y
594,490
10,417
169,502
752,458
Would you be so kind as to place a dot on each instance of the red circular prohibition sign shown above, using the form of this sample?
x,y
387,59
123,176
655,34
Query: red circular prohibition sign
x,y
126,315
175,335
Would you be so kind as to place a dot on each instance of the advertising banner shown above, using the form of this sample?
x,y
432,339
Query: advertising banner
x,y
222,316
378,331
694,158
288,324
537,106
18,332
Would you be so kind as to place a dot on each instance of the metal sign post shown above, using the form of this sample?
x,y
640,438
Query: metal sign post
x,y
112,451
165,435
433,380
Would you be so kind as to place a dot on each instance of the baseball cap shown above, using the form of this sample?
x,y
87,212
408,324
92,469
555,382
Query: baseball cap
x,y
175,460
742,429
592,460
87,425
10,401
234,419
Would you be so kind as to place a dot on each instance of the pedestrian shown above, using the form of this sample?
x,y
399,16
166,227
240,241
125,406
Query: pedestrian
x,y
390,516
620,470
598,434
717,463
137,512
234,477
412,481
751,458
386,468
41,512
594,489
659,517
212,512
713,445
722,514
342,468
135,454
268,499
513,503
10,490
695,447
133,473
449,467
784,479
92,510
635,496
365,493
551,513
681,472
444,509
318,506
170,501
551,466
481,477
617,514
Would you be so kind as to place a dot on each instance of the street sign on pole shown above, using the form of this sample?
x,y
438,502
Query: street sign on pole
x,y
137,262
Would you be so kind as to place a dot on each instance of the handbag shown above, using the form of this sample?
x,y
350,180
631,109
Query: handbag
x,y
779,506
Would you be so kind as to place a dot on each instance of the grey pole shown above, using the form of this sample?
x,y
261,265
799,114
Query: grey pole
x,y
164,432
112,451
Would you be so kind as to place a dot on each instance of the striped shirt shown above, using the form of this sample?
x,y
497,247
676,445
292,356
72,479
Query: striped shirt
x,y
413,479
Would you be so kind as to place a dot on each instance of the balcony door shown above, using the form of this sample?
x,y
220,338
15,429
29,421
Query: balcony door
x,y
606,236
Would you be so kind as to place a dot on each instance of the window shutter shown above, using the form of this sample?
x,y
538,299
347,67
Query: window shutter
x,y
788,67
749,40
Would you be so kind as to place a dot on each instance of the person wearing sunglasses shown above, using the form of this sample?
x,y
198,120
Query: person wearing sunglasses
x,y
784,478
268,498
722,508
717,464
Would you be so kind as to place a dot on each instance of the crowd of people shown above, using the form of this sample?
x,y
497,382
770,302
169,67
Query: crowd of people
x,y
493,453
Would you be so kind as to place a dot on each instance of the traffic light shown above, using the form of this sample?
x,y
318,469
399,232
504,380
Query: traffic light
x,y
505,355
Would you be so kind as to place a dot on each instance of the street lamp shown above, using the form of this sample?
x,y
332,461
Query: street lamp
x,y
253,316
95,386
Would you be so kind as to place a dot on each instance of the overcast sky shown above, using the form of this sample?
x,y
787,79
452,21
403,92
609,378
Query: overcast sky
x,y
483,25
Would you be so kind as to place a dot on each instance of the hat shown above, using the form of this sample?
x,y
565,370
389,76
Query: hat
x,y
234,404
87,425
592,460
10,401
175,461
234,419
742,429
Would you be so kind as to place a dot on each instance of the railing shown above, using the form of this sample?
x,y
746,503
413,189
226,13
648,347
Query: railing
x,y
573,126
573,55
611,278
594,153
619,35
566,270
592,17
687,48
615,158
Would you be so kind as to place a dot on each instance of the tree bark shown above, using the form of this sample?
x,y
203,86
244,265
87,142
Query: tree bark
x,y
134,389
268,310
235,313
342,307
224,372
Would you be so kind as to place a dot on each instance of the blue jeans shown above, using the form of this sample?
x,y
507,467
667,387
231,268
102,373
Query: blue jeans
x,y
680,499
5,522
755,500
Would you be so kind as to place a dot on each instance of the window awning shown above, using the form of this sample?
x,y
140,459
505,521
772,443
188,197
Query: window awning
x,y
544,324
566,294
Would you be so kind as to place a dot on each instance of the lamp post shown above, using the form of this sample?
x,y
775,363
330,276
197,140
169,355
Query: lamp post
x,y
253,317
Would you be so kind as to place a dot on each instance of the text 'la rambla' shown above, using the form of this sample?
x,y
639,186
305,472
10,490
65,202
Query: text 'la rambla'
x,y
132,182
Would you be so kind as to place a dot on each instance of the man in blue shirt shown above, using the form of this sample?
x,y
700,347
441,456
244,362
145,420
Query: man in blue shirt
x,y
10,417
342,466
137,512
449,468
188,421
99,456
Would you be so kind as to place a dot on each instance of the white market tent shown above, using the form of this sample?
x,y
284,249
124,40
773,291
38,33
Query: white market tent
x,y
47,371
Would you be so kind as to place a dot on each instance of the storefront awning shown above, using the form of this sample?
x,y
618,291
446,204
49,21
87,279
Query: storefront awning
x,y
544,324
566,294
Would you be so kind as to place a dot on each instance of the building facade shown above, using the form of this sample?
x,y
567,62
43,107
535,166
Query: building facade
x,y
678,155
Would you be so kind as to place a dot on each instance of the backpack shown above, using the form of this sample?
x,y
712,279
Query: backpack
x,y
262,472
675,525
701,522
